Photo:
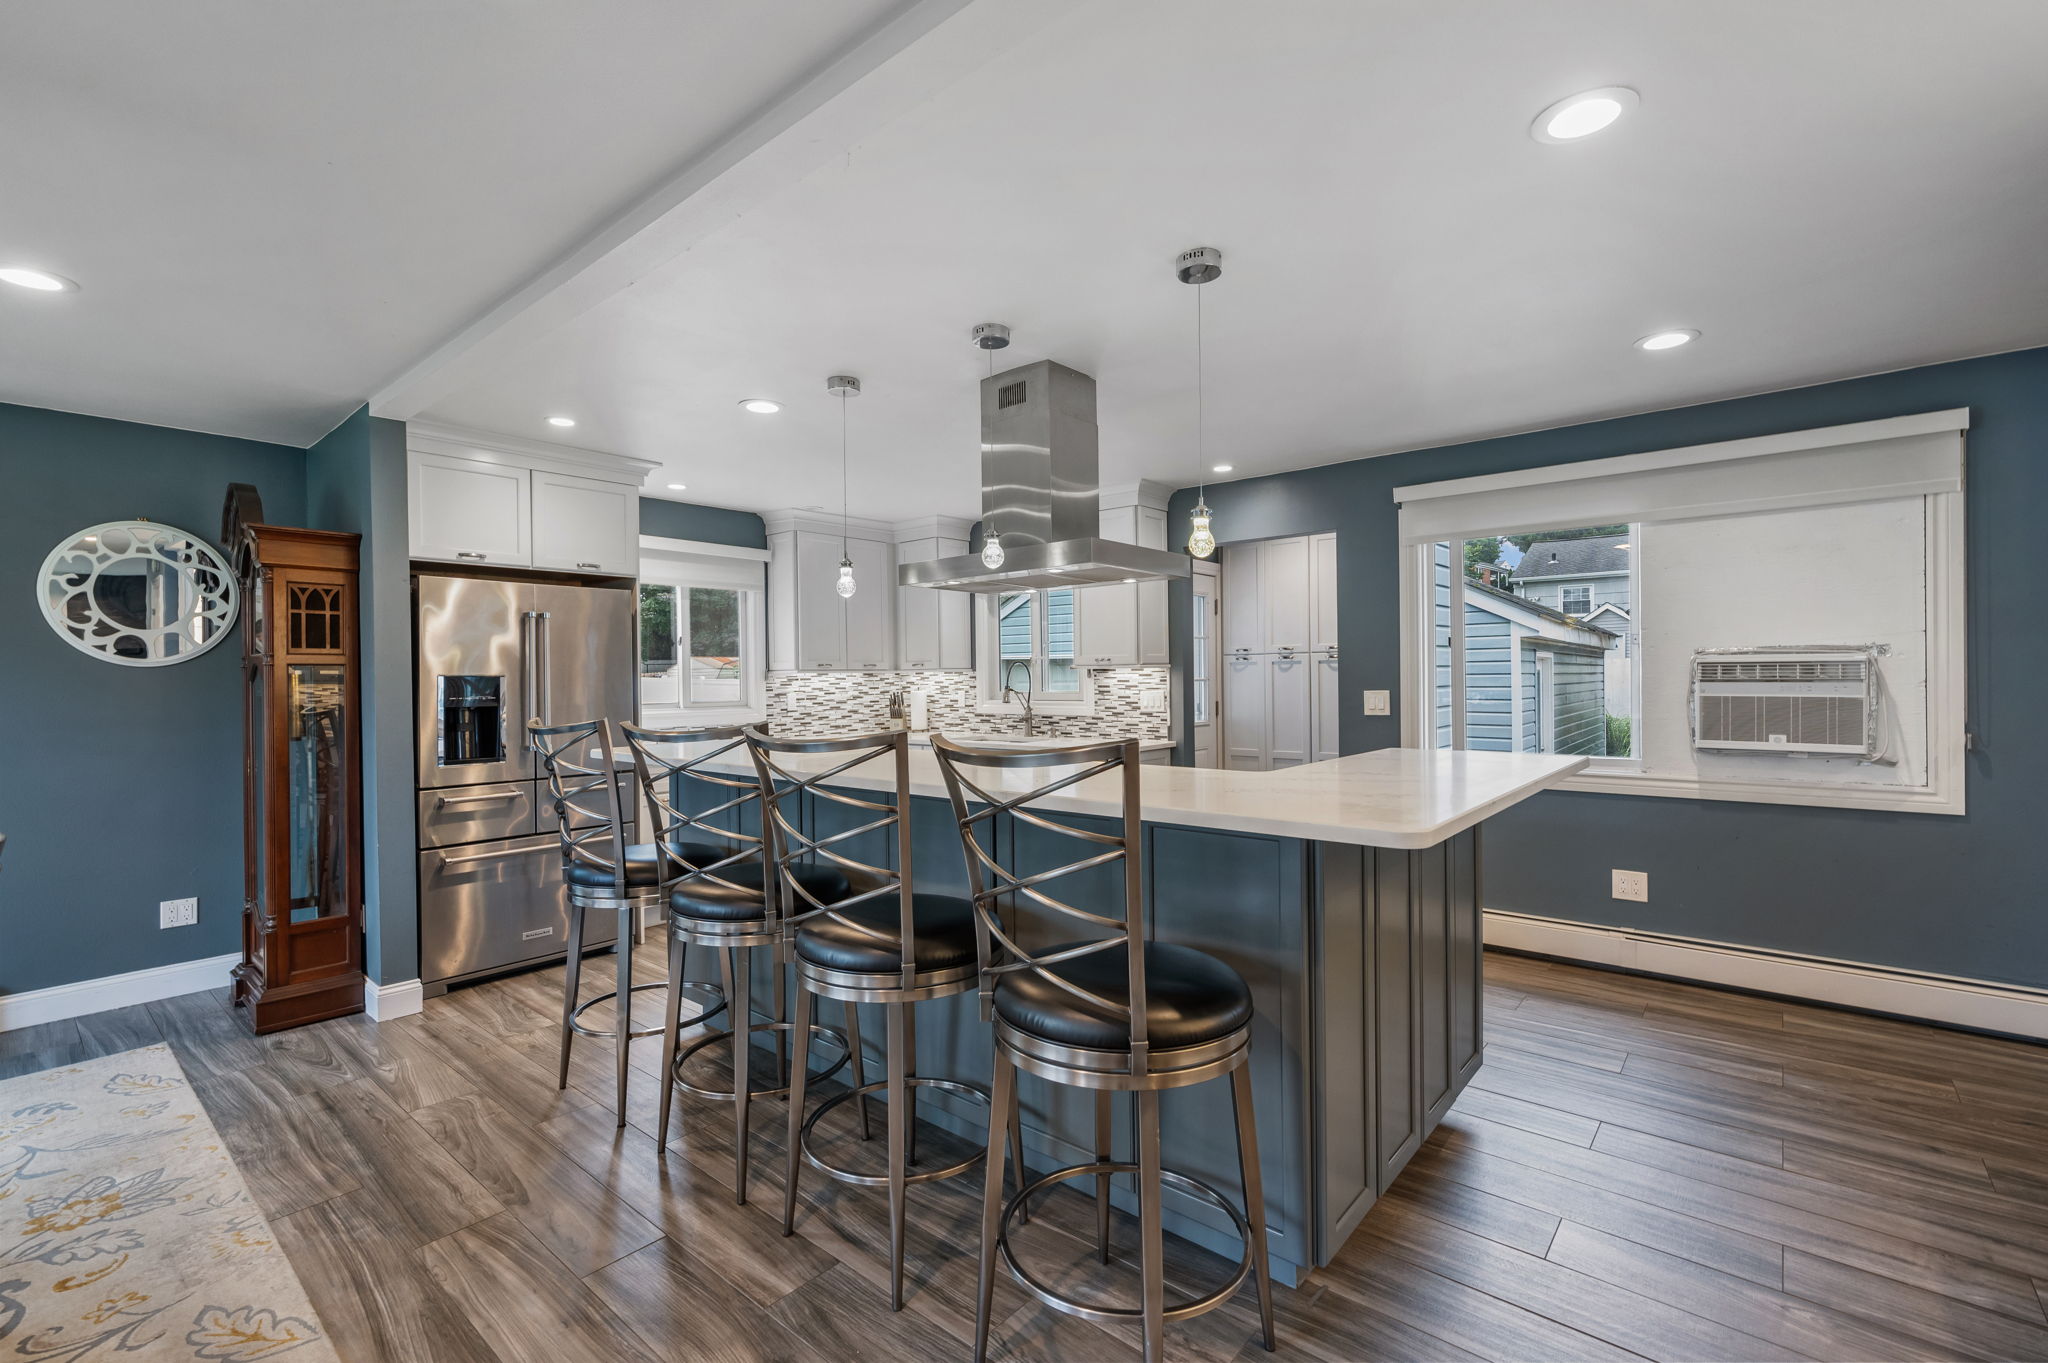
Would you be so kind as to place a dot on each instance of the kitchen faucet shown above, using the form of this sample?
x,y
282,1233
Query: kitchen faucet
x,y
1030,720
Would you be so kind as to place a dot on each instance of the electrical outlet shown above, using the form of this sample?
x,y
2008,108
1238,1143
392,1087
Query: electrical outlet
x,y
1379,702
1632,885
177,913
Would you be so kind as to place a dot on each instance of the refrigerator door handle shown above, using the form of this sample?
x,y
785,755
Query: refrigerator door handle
x,y
529,660
547,669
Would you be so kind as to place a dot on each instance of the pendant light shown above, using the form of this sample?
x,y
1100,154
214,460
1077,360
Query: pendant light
x,y
1198,267
991,337
846,386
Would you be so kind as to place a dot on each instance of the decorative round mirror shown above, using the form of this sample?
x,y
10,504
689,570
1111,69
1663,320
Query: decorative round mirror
x,y
138,593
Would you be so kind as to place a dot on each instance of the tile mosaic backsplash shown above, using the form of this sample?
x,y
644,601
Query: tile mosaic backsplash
x,y
1129,701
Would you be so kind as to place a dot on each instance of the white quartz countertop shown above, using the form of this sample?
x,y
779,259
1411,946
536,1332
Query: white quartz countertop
x,y
1396,797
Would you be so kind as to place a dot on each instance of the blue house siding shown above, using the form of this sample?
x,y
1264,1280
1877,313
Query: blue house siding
x,y
1489,681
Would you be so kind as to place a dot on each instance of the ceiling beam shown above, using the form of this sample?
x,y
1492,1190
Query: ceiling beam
x,y
925,47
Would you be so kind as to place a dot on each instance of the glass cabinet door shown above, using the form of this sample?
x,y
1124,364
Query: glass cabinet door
x,y
317,788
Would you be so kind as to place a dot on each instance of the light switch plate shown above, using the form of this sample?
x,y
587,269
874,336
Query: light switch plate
x,y
1632,885
177,913
1379,702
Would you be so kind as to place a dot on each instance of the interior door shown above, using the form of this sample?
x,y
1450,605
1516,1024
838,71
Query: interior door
x,y
471,698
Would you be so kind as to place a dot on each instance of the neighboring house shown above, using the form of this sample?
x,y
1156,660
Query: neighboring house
x,y
1589,580
1535,679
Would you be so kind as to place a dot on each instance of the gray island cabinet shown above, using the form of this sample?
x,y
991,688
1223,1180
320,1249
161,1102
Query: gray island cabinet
x,y
1346,892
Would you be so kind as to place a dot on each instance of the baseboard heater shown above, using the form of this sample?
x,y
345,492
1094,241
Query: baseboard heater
x,y
1949,1000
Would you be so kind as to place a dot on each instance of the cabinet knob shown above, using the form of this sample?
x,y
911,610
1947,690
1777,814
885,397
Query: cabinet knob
x,y
464,553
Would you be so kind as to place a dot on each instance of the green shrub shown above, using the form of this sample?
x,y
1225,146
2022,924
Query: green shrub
x,y
1620,735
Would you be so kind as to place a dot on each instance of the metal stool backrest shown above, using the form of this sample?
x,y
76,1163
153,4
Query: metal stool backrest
x,y
995,887
667,762
782,792
583,779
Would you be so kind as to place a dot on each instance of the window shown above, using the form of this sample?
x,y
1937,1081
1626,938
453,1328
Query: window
x,y
1028,644
1592,598
700,634
1538,676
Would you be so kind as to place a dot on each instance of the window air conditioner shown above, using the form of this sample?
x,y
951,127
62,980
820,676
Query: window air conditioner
x,y
1785,701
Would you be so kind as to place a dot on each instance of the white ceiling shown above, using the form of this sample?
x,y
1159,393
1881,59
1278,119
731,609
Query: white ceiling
x,y
1825,188
273,208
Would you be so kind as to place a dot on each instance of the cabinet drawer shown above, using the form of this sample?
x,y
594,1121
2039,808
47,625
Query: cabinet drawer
x,y
459,814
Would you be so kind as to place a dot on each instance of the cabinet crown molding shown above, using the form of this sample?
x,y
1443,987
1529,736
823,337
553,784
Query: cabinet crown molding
x,y
825,523
493,448
933,527
1144,492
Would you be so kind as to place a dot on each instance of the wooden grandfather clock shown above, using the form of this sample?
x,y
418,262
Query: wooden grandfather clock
x,y
302,907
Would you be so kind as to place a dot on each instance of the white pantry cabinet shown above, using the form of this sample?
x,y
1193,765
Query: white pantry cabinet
x,y
494,502
1280,694
1123,624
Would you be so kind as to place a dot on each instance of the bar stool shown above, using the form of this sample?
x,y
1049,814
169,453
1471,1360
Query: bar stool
x,y
1098,1013
583,779
718,896
883,943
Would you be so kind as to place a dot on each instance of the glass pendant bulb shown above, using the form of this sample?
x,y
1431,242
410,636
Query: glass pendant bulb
x,y
845,585
1201,542
992,552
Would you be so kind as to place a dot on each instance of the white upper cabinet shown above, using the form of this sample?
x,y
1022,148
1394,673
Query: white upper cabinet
x,y
585,525
811,628
933,628
871,610
469,511
497,502
1123,624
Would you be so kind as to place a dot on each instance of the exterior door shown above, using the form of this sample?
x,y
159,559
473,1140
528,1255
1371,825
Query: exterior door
x,y
1206,660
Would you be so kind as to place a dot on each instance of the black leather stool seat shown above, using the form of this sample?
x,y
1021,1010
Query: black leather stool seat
x,y
641,872
704,897
943,927
1191,997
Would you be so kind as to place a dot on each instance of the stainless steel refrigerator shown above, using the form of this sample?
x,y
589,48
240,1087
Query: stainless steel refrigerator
x,y
489,653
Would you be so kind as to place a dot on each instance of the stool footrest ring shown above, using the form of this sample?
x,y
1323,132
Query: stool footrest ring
x,y
576,1018
1058,1302
683,1056
844,1175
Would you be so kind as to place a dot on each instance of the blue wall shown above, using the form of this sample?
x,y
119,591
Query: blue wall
x,y
1952,895
708,524
119,786
355,480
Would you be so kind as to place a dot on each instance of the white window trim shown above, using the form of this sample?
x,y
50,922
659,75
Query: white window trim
x,y
666,562
988,684
1947,656
1563,594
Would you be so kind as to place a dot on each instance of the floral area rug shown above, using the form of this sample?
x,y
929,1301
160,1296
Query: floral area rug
x,y
126,1230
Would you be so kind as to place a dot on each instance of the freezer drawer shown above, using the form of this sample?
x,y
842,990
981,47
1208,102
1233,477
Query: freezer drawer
x,y
487,907
504,809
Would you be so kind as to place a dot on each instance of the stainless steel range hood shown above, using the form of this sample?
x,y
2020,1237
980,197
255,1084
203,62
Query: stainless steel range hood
x,y
1040,494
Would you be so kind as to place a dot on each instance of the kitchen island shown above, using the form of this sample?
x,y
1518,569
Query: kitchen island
x,y
1346,892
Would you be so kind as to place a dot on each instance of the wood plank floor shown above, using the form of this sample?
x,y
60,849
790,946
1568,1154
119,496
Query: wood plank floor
x,y
1640,1169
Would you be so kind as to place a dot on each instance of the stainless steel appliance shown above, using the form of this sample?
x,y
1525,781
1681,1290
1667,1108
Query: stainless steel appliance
x,y
489,654
1041,508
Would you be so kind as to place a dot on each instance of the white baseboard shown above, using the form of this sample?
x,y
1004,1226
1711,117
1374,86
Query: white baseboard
x,y
1957,1002
384,1002
114,991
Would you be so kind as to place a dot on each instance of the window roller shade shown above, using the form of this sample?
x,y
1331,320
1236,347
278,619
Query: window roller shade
x,y
1868,461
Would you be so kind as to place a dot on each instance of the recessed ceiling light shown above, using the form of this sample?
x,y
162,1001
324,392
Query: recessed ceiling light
x,y
761,406
1582,114
1666,340
676,487
1222,468
561,421
40,280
